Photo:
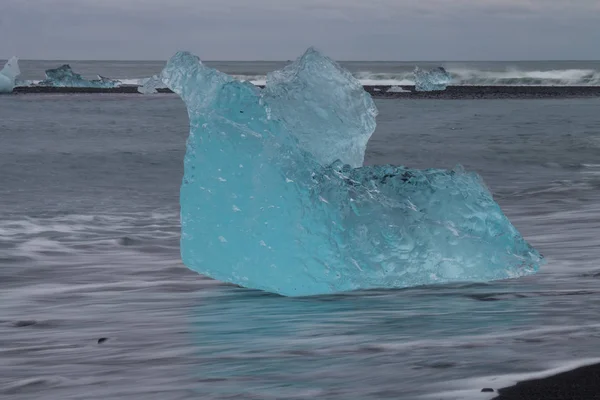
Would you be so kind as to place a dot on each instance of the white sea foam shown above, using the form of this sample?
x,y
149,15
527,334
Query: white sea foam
x,y
567,77
591,169
134,81
397,89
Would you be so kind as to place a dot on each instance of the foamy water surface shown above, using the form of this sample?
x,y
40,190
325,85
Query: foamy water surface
x,y
89,233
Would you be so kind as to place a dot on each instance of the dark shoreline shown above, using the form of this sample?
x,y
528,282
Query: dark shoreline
x,y
581,383
452,92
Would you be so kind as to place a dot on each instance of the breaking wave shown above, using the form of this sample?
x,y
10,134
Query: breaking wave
x,y
565,77
512,77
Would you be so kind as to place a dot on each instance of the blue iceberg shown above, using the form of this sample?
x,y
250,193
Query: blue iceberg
x,y
8,75
64,76
270,201
428,81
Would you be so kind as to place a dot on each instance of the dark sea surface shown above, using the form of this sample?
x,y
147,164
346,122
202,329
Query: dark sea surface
x,y
89,249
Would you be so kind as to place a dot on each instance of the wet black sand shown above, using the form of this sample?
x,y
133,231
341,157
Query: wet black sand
x,y
579,384
452,92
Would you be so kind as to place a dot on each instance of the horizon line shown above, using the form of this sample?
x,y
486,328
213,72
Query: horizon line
x,y
290,60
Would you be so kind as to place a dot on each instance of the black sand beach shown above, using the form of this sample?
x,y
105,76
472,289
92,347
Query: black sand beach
x,y
381,91
579,384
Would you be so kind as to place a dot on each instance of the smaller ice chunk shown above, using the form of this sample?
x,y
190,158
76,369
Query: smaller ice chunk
x,y
25,82
64,76
151,84
435,79
11,68
8,74
397,89
6,84
106,82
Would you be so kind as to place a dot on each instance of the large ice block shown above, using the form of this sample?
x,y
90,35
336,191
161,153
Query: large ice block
x,y
8,74
64,76
435,79
259,209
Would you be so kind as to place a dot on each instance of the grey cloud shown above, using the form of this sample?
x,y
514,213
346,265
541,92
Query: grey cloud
x,y
281,29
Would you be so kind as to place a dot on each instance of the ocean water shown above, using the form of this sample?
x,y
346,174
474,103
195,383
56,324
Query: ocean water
x,y
89,232
557,73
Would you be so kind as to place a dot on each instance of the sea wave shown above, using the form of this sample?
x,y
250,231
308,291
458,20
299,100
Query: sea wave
x,y
510,77
565,77
41,238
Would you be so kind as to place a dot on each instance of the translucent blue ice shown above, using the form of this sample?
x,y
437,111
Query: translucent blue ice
x,y
435,79
342,114
64,76
261,210
8,74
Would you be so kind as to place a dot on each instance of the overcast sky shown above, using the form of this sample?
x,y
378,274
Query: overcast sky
x,y
282,29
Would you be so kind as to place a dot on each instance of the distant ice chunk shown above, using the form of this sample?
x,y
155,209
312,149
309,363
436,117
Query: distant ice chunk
x,y
397,89
25,82
64,76
103,81
11,68
8,74
6,84
151,84
435,79
262,207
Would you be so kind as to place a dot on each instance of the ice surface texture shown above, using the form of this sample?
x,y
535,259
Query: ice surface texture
x,y
8,74
64,76
435,79
262,207
325,107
